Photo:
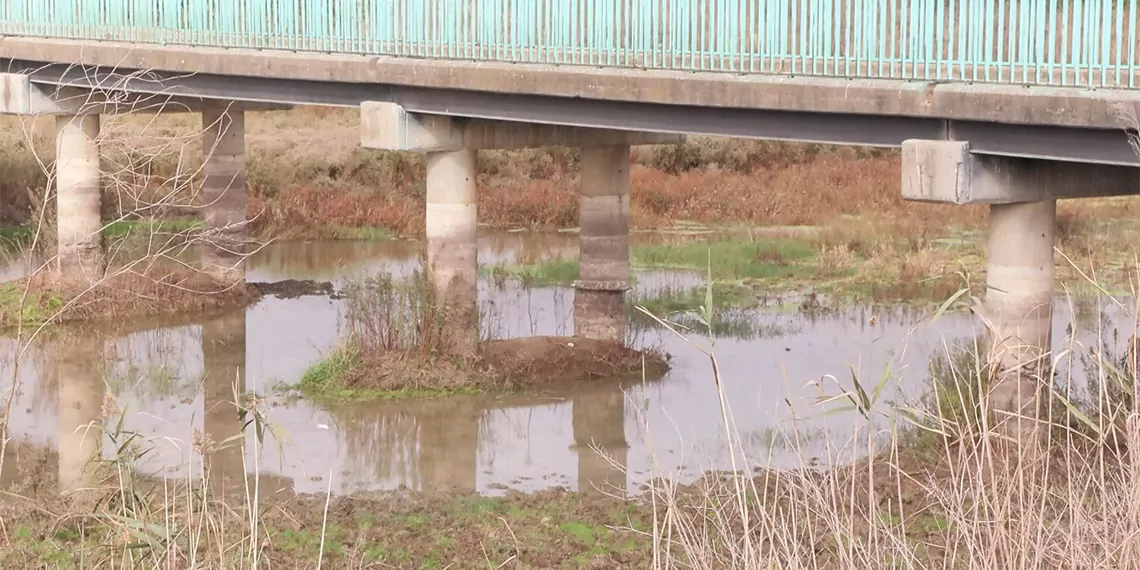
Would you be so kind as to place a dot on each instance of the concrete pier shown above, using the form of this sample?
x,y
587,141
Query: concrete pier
x,y
223,192
223,360
78,198
452,263
599,296
80,416
1019,306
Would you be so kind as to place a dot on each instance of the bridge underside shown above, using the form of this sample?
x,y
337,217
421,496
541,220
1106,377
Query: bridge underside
x,y
1081,127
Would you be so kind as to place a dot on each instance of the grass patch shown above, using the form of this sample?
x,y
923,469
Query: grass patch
x,y
670,301
728,259
545,273
362,233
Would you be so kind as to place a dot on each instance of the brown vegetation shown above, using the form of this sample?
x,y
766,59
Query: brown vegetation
x,y
122,293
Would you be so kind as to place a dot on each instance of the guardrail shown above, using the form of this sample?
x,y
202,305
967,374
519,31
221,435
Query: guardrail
x,y
1089,43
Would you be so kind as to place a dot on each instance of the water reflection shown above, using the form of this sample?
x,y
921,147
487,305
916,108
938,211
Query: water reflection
x,y
176,381
80,387
223,360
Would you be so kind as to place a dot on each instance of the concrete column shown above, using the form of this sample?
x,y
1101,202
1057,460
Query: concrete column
x,y
223,190
81,390
599,420
599,296
223,362
79,202
452,262
1019,305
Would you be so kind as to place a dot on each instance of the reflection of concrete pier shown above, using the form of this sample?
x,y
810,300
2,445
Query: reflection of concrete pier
x,y
449,446
599,426
223,360
81,388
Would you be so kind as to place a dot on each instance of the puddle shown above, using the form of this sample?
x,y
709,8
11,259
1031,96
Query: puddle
x,y
174,383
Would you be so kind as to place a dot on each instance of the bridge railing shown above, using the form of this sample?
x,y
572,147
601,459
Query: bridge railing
x,y
1090,43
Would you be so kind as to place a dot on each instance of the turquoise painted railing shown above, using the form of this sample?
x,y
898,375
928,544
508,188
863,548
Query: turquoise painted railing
x,y
1037,42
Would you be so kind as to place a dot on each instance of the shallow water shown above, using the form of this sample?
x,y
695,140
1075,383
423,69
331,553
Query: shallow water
x,y
176,379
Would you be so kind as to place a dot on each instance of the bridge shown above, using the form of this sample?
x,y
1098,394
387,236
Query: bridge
x,y
1010,103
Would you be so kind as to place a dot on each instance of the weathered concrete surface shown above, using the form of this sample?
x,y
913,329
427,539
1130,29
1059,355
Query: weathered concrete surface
x,y
1018,308
80,417
452,263
1074,107
79,200
599,296
946,171
388,126
19,96
224,193
223,360
599,426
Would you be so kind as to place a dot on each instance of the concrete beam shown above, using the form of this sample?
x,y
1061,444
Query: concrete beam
x,y
946,171
389,126
836,94
19,96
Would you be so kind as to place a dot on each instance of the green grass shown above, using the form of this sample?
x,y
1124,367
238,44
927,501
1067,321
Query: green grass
x,y
546,273
730,259
37,307
668,301
146,227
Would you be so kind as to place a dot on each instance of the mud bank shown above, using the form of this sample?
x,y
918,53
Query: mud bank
x,y
499,366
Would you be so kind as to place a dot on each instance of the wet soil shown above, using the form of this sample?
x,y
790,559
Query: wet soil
x,y
504,365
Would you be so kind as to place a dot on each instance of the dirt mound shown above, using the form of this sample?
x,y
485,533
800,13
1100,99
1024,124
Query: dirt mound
x,y
500,365
122,294
543,359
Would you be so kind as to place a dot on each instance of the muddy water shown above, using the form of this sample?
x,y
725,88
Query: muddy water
x,y
174,382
